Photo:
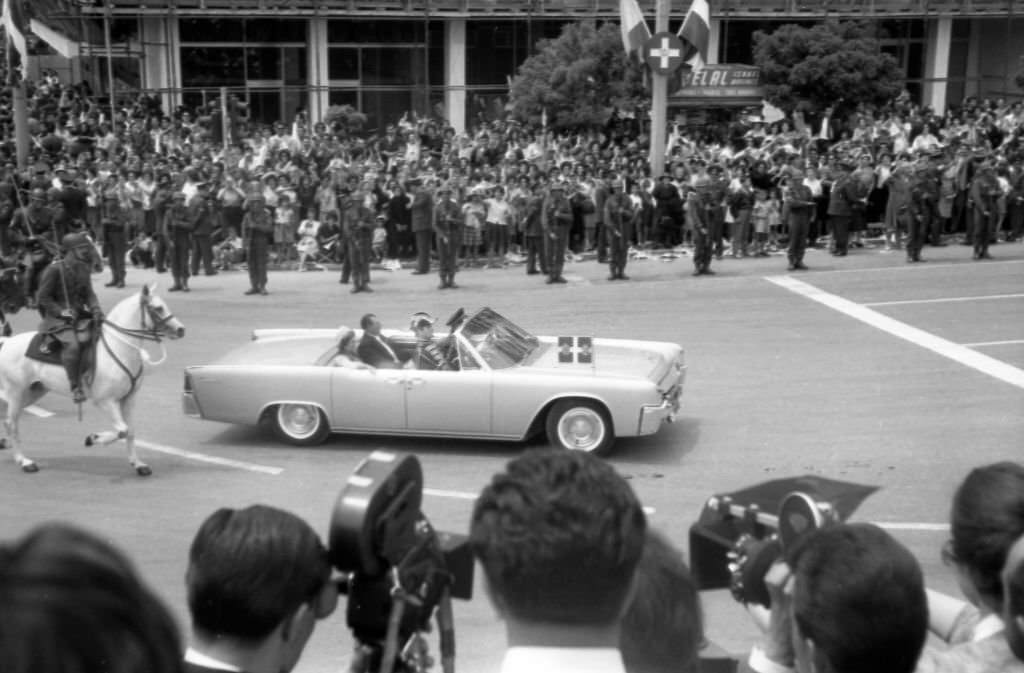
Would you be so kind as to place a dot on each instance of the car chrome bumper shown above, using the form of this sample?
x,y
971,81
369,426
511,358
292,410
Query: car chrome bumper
x,y
190,406
653,416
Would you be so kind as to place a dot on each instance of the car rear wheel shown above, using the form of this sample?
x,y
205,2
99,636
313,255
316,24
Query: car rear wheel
x,y
580,425
300,424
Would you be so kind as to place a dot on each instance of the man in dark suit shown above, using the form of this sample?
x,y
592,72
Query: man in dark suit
x,y
257,581
373,348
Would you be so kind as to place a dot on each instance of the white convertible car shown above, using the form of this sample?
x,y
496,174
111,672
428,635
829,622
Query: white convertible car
x,y
508,385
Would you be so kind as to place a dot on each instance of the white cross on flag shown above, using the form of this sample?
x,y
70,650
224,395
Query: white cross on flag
x,y
576,349
696,33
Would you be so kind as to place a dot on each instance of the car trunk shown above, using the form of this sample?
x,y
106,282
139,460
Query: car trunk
x,y
611,358
300,351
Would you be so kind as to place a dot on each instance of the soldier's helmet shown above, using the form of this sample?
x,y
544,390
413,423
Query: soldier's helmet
x,y
73,241
37,194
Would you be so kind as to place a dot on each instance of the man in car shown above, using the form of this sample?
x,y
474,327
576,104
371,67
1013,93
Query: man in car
x,y
428,355
373,348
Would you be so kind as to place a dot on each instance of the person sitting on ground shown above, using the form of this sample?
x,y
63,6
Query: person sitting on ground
x,y
1013,586
347,356
69,601
987,518
559,535
663,628
847,598
258,580
373,348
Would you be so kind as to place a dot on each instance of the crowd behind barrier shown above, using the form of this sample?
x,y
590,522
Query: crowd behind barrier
x,y
502,192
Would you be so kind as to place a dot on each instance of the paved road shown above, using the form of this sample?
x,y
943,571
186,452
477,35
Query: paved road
x,y
781,382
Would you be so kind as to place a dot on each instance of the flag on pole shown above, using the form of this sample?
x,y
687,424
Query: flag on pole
x,y
13,20
695,34
634,29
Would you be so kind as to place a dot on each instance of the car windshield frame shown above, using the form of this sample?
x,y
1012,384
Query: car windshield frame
x,y
496,341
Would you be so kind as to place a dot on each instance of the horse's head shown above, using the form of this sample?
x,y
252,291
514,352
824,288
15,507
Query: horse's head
x,y
157,316
12,289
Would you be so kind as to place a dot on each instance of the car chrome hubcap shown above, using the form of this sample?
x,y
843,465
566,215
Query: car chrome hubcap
x,y
299,420
581,429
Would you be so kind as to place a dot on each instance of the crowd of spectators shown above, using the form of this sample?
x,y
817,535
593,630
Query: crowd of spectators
x,y
901,170
570,564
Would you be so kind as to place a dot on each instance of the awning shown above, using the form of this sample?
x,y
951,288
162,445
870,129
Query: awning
x,y
711,102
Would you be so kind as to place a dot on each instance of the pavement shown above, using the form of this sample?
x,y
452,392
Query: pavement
x,y
863,368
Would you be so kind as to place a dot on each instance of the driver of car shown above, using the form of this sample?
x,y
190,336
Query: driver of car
x,y
428,355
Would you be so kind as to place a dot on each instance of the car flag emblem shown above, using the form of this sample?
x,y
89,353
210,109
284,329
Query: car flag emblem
x,y
576,349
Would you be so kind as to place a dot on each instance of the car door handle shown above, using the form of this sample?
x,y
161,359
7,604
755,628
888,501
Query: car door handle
x,y
416,381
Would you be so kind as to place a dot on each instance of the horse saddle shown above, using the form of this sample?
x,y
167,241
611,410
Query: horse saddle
x,y
46,346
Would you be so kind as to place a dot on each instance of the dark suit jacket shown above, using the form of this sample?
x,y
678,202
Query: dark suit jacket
x,y
372,352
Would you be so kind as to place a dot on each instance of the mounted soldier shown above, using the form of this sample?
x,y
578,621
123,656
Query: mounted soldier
x,y
32,230
70,308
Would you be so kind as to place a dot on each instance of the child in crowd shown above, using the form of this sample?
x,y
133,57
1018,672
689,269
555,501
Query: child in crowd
x,y
760,217
230,251
141,252
285,218
307,246
774,222
499,214
380,240
475,212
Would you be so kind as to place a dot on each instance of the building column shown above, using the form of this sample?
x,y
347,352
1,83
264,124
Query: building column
x,y
974,74
936,66
455,73
161,71
714,40
319,90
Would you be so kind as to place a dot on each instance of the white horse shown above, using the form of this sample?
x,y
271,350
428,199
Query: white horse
x,y
120,363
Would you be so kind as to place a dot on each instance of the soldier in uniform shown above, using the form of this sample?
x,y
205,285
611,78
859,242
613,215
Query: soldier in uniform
x,y
984,193
32,230
178,225
258,233
533,233
917,213
206,218
930,179
115,225
557,219
842,202
67,302
697,224
801,204
448,231
428,354
618,218
357,228
718,189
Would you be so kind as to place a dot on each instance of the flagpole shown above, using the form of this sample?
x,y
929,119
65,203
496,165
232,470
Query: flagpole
x,y
110,66
19,106
659,100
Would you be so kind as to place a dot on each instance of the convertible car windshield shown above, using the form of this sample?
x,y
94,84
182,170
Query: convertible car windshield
x,y
500,342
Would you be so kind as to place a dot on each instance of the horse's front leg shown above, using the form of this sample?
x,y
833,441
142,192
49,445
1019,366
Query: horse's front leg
x,y
120,412
13,439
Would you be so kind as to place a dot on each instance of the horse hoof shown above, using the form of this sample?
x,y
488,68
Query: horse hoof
x,y
90,440
29,468
143,470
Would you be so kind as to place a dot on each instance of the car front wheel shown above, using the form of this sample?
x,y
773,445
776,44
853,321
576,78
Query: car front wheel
x,y
580,425
300,424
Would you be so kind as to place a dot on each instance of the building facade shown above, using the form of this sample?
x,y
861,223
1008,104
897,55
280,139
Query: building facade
x,y
456,57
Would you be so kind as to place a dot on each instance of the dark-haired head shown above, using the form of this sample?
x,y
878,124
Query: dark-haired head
x,y
559,535
69,601
859,598
987,518
1013,585
663,628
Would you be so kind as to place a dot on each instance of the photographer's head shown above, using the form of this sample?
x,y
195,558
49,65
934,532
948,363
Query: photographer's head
x,y
857,601
559,535
987,518
71,602
257,580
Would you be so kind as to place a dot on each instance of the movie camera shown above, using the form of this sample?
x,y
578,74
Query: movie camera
x,y
739,535
399,572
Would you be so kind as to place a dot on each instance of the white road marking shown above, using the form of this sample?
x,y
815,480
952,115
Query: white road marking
x,y
902,525
463,495
941,300
204,458
978,344
919,337
920,267
37,410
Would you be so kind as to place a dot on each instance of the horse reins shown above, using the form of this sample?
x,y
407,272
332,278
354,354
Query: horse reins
x,y
144,333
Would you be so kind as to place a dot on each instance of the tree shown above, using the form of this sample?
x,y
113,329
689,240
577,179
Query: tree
x,y
578,78
831,63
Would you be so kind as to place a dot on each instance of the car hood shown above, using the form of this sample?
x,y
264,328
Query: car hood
x,y
614,358
291,350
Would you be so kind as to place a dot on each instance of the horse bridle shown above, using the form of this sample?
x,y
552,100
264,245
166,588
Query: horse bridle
x,y
145,333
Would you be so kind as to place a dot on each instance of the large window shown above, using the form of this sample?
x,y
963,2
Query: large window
x,y
385,68
264,61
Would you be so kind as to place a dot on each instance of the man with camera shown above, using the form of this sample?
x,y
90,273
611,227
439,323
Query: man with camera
x,y
559,535
847,598
258,580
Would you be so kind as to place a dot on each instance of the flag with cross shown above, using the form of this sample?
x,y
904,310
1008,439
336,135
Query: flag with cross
x,y
576,350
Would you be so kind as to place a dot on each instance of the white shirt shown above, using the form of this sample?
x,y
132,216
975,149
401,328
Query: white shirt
x,y
563,660
989,626
200,659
